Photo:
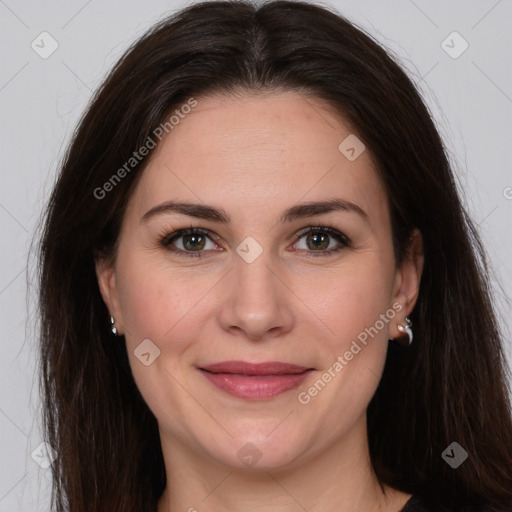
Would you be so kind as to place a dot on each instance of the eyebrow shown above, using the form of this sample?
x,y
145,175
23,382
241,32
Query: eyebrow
x,y
299,211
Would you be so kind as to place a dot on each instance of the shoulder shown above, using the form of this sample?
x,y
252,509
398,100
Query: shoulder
x,y
418,504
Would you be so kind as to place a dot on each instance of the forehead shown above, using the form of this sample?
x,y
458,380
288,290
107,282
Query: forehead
x,y
258,152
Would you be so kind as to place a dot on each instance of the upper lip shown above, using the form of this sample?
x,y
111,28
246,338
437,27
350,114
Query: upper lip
x,y
265,368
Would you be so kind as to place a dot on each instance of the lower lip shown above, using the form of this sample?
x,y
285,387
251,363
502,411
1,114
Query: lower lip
x,y
255,387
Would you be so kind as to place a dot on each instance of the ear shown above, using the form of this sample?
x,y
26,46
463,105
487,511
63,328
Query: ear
x,y
106,275
407,281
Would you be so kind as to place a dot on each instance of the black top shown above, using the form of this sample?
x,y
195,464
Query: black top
x,y
417,504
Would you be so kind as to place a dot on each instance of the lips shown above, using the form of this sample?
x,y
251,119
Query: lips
x,y
255,381
266,368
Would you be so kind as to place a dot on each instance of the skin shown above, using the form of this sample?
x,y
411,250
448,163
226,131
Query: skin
x,y
254,156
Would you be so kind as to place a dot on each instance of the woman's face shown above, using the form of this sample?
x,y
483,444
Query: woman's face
x,y
261,284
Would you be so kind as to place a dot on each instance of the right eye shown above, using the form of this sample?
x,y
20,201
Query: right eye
x,y
193,241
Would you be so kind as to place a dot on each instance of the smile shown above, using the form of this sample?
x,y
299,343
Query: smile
x,y
255,381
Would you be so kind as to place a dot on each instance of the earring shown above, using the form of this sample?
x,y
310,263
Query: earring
x,y
113,326
407,329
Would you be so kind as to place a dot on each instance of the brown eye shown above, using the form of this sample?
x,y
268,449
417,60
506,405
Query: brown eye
x,y
318,240
192,241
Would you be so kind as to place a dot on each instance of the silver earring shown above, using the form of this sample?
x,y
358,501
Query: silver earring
x,y
407,328
113,326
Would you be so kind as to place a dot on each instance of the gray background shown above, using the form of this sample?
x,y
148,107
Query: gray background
x,y
42,99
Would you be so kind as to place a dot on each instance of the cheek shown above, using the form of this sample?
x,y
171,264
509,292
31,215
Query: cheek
x,y
351,301
161,303
145,304
355,306
163,307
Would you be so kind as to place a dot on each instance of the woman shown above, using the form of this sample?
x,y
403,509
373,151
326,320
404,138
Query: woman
x,y
254,204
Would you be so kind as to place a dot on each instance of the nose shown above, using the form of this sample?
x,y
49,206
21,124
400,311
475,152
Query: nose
x,y
258,302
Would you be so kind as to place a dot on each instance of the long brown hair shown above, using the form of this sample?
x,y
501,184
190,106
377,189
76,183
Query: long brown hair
x,y
450,385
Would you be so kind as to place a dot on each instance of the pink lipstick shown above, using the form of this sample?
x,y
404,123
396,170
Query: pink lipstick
x,y
255,381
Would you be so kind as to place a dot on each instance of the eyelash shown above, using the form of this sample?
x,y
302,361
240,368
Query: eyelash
x,y
344,241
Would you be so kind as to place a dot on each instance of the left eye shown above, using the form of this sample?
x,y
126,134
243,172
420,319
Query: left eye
x,y
318,237
194,241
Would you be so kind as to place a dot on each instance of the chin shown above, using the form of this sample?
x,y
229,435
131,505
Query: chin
x,y
260,452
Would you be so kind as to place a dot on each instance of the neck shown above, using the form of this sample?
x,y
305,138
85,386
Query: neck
x,y
339,478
